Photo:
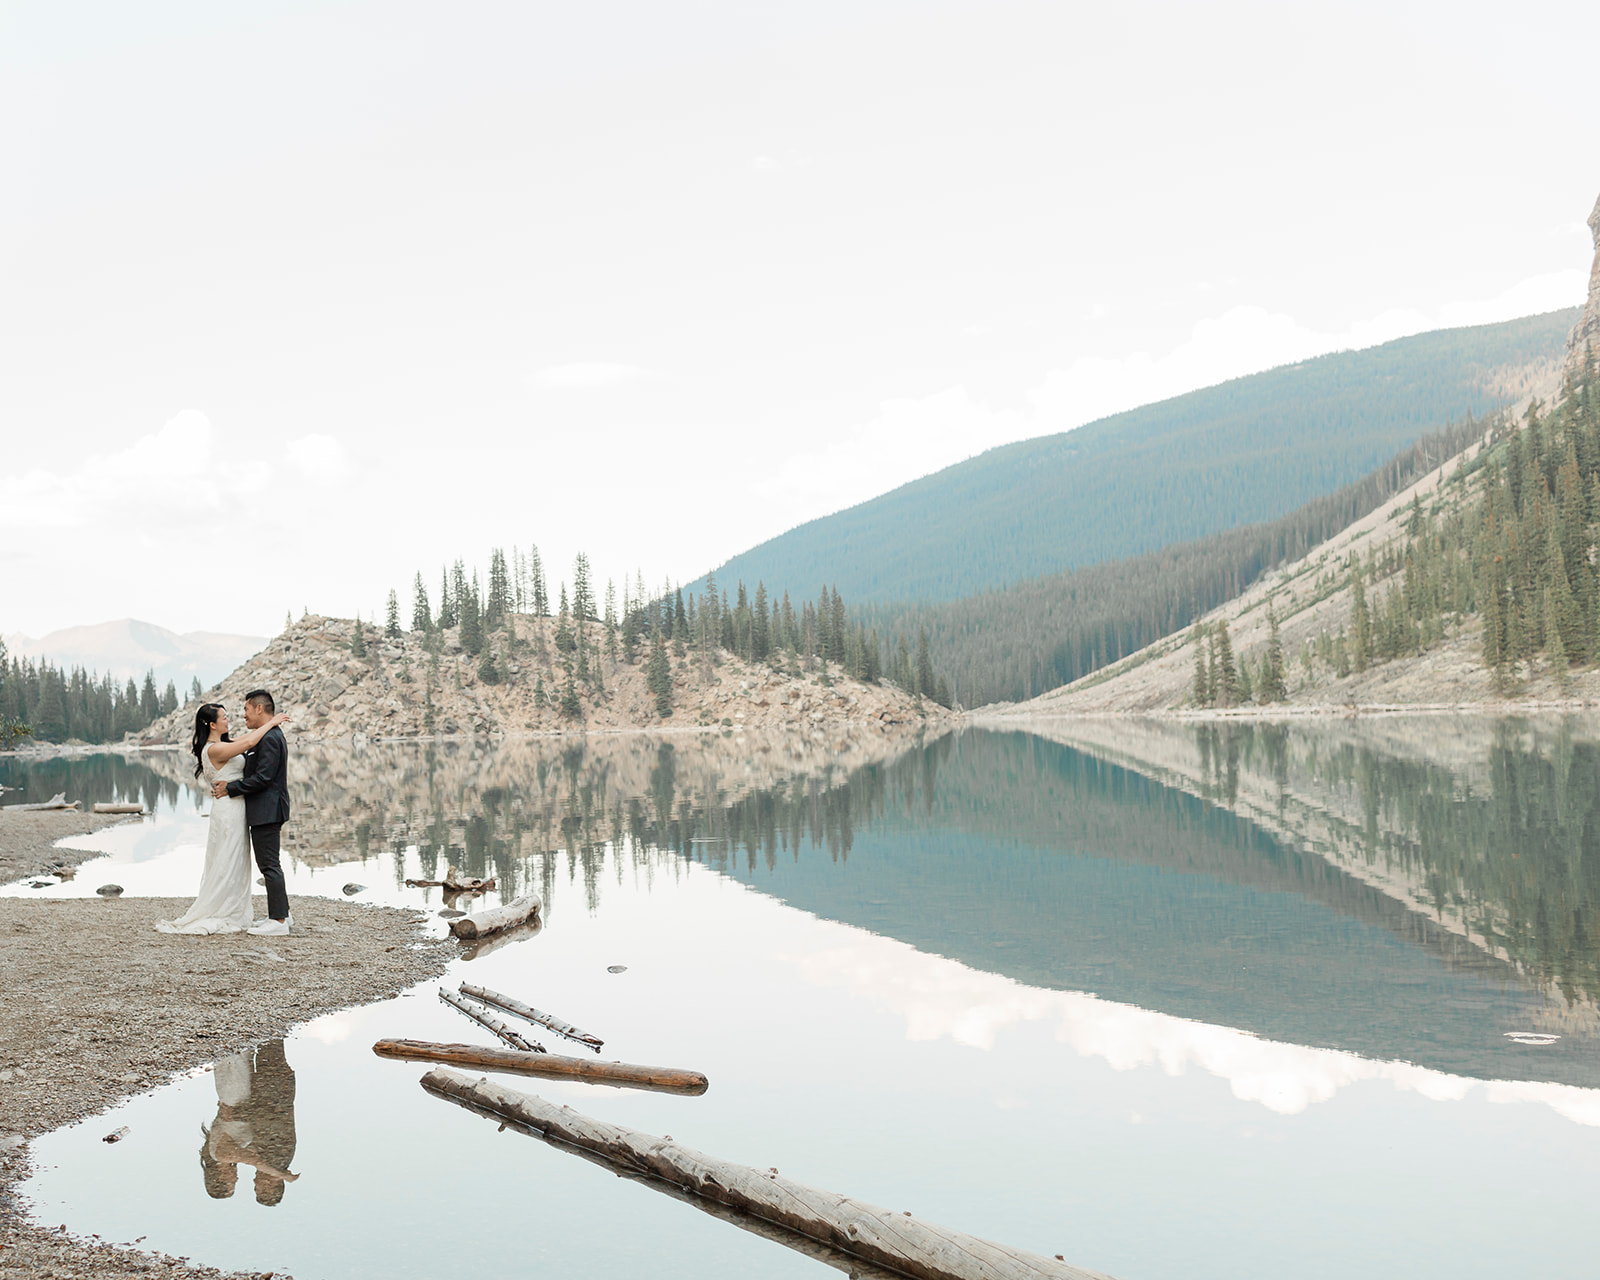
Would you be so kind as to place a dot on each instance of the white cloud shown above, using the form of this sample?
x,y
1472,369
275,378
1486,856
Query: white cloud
x,y
940,998
583,376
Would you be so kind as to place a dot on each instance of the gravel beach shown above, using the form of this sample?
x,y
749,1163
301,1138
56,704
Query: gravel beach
x,y
96,1006
27,840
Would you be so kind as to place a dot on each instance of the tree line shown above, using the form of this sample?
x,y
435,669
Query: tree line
x,y
653,626
1520,558
1024,640
58,704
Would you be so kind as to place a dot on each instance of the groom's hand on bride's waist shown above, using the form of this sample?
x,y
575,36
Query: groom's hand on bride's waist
x,y
219,790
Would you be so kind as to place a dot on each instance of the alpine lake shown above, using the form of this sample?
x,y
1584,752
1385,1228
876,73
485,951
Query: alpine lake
x,y
1172,1000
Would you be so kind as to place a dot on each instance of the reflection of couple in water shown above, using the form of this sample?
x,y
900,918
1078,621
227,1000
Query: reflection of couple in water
x,y
254,1124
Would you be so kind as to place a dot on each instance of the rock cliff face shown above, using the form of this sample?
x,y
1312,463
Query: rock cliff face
x,y
402,688
1586,332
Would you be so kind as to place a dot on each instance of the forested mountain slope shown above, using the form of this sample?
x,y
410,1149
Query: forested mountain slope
x,y
1242,452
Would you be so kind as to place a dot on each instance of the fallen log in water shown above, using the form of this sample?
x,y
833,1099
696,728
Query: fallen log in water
x,y
851,1265
532,1015
499,1026
57,801
495,919
897,1242
625,1075
517,933
454,883
118,808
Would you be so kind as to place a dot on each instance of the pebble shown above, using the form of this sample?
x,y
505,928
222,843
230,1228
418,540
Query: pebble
x,y
353,888
109,890
616,968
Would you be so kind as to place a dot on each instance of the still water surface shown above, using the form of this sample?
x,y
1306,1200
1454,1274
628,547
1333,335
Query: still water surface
x,y
1169,1001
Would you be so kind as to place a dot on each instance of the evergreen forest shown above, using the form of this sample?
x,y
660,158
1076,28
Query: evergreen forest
x,y
1241,453
53,704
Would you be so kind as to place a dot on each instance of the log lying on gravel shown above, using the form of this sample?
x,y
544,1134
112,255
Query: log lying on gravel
x,y
625,1075
897,1242
532,1015
118,808
58,801
495,919
484,1018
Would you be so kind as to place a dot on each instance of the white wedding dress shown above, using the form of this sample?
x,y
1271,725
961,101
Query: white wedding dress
x,y
223,904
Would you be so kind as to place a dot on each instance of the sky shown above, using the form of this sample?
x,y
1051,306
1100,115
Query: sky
x,y
298,299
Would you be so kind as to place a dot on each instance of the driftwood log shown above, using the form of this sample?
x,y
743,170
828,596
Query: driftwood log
x,y
58,801
898,1242
532,1015
119,808
625,1075
518,933
851,1265
495,919
454,883
484,1018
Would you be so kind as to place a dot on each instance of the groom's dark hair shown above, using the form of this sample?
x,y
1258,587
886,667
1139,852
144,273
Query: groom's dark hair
x,y
262,699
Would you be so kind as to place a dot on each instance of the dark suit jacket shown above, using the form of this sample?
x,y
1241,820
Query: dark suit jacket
x,y
265,785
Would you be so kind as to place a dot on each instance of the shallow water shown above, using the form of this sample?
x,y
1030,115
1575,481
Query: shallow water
x,y
1170,1005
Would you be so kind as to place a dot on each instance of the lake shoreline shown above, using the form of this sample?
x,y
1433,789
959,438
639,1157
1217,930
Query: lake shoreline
x,y
73,1044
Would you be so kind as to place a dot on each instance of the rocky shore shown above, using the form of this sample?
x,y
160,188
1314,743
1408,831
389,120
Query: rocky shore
x,y
28,841
97,1006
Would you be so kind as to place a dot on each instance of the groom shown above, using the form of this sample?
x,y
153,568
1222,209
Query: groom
x,y
265,788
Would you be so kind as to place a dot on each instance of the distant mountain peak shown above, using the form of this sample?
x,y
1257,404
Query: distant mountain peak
x,y
128,647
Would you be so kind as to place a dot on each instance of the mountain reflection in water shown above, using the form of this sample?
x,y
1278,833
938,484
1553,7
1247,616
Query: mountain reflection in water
x,y
1419,891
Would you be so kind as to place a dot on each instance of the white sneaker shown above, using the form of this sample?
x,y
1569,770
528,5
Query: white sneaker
x,y
269,928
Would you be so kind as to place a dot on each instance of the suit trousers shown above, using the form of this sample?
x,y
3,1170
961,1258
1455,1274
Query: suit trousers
x,y
265,840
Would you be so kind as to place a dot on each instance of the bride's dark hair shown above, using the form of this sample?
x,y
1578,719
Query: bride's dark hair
x,y
203,720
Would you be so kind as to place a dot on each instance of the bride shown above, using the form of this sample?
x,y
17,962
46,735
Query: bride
x,y
223,905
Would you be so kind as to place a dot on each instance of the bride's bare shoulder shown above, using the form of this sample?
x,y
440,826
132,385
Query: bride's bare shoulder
x,y
211,759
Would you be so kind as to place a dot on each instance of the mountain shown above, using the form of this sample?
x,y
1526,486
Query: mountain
x,y
128,647
1246,451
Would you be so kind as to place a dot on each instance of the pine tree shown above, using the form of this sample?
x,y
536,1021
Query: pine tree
x,y
447,605
421,615
358,639
471,619
1556,649
659,674
1224,675
611,620
195,691
1200,688
564,638
1361,625
541,597
497,604
391,625
149,699
169,699
488,671
1273,685
582,590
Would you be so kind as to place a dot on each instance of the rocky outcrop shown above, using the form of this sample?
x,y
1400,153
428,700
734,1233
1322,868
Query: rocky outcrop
x,y
1586,333
410,686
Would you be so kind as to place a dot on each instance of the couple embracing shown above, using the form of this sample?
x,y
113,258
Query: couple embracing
x,y
249,784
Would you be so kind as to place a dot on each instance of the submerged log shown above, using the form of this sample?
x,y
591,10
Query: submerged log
x,y
626,1075
118,808
495,919
897,1242
532,1015
484,1018
57,801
